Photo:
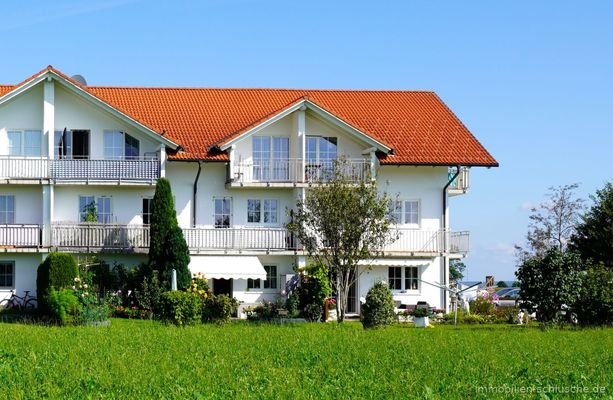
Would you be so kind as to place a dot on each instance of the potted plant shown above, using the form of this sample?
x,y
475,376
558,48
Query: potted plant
x,y
331,306
421,317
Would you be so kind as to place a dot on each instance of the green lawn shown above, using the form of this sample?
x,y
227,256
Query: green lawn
x,y
144,359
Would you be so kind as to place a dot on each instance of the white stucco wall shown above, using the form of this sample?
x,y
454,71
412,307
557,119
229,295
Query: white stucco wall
x,y
24,112
126,201
25,272
28,202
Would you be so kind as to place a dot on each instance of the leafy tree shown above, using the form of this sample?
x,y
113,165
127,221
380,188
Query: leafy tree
x,y
456,270
515,284
595,305
341,223
167,249
552,222
502,284
594,236
548,282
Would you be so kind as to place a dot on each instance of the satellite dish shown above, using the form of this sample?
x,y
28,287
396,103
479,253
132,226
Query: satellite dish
x,y
80,79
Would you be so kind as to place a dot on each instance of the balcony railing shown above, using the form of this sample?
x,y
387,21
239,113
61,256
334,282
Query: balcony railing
x,y
265,239
422,241
100,236
298,171
135,238
461,182
138,170
19,235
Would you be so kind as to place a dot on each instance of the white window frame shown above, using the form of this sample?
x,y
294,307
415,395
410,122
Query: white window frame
x,y
12,274
96,200
117,151
276,166
398,214
230,215
143,213
262,212
259,285
404,272
12,213
21,152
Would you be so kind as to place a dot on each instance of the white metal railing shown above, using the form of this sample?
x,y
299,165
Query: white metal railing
x,y
20,235
104,170
461,182
139,170
296,170
100,236
23,168
239,239
422,241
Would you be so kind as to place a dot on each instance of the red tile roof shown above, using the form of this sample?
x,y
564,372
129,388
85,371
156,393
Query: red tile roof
x,y
417,125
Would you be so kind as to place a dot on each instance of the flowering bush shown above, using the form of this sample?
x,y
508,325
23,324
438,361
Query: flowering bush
x,y
331,303
92,308
199,286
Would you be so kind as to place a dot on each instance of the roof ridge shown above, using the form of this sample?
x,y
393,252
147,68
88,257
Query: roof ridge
x,y
284,89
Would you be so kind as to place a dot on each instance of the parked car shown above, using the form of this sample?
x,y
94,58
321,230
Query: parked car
x,y
508,298
503,291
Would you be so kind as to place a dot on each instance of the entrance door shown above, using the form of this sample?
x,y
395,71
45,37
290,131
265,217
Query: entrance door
x,y
222,286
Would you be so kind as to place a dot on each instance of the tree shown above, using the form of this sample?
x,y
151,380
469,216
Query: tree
x,y
595,304
594,234
456,270
552,222
167,248
548,282
502,284
341,223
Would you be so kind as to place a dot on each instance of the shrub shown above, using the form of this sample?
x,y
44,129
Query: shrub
x,y
378,310
58,272
595,304
219,308
266,311
63,305
421,312
180,308
482,305
150,293
314,285
91,307
313,312
292,304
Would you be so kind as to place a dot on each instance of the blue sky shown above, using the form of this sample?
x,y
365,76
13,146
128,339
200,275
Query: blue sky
x,y
532,80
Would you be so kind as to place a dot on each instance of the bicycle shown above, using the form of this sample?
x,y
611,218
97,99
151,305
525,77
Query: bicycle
x,y
26,302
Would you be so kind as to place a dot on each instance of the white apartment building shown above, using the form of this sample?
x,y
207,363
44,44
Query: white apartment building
x,y
237,160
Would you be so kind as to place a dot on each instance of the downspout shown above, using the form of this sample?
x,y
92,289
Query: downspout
x,y
195,195
457,173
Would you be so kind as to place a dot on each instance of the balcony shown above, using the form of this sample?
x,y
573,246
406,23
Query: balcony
x,y
239,239
295,172
144,171
100,237
417,241
20,236
460,184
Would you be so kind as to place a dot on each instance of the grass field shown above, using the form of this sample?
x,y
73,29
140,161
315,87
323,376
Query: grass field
x,y
144,359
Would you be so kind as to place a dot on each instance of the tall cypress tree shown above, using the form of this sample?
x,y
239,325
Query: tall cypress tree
x,y
167,248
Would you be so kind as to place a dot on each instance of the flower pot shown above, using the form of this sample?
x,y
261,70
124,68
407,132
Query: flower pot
x,y
422,322
332,315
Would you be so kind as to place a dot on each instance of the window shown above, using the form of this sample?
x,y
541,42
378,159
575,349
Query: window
x,y
7,210
7,274
321,153
24,143
147,208
269,283
270,158
403,279
271,277
119,145
404,212
223,212
92,209
268,215
395,278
